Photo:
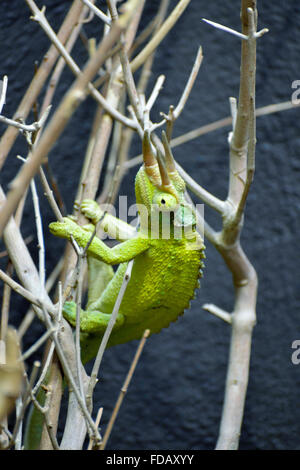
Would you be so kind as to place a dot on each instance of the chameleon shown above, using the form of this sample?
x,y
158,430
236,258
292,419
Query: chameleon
x,y
166,269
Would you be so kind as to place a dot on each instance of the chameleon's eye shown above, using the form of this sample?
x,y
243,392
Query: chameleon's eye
x,y
164,201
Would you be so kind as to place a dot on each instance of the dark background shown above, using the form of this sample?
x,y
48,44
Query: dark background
x,y
175,398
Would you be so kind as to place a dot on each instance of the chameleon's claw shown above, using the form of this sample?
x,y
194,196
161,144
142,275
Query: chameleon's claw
x,y
76,205
88,228
91,210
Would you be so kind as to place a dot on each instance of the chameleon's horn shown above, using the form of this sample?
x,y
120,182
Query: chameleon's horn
x,y
165,180
170,162
150,162
148,154
171,165
166,184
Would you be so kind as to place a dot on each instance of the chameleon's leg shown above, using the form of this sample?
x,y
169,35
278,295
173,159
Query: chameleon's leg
x,y
116,228
99,273
120,253
99,276
91,321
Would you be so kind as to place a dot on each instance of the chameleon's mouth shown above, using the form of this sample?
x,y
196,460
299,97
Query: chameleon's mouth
x,y
184,216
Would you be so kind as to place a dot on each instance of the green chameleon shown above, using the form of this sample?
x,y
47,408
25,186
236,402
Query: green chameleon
x,y
167,253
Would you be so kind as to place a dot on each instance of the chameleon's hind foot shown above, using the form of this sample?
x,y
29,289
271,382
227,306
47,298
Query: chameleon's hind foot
x,y
69,312
90,321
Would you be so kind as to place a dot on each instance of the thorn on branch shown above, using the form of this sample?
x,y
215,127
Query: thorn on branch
x,y
3,88
226,29
252,35
218,312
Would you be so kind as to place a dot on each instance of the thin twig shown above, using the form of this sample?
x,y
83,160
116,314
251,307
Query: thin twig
x,y
41,19
5,303
211,127
39,229
160,35
127,72
30,315
34,127
97,12
70,378
81,259
36,345
209,199
124,389
45,368
97,422
187,90
104,341
23,292
3,84
155,92
44,410
25,400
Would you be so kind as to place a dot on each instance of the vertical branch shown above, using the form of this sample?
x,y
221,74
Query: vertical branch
x,y
246,105
242,161
242,142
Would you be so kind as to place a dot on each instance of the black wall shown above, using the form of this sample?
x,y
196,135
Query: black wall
x,y
175,399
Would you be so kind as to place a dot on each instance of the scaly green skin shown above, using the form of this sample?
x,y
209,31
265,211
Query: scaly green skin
x,y
165,271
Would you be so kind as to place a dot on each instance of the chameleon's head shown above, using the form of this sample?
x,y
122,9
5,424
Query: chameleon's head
x,y
159,186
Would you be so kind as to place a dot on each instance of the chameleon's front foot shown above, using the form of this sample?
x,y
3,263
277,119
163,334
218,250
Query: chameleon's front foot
x,y
91,210
63,229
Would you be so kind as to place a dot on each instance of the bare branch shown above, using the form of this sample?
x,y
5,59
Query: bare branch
x,y
36,126
124,389
189,85
155,92
24,292
209,199
160,35
242,153
97,12
97,422
39,228
36,345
